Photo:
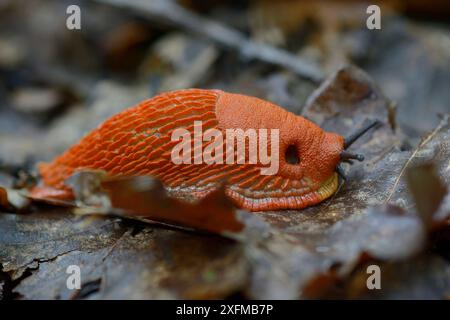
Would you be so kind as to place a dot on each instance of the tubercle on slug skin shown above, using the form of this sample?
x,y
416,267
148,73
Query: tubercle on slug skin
x,y
137,141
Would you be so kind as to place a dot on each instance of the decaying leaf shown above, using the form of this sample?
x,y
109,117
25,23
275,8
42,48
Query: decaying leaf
x,y
11,199
427,190
435,148
293,263
145,197
132,260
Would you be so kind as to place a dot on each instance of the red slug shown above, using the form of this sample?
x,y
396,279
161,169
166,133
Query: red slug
x,y
139,141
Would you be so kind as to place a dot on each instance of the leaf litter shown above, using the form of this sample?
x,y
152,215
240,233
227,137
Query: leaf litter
x,y
392,211
267,255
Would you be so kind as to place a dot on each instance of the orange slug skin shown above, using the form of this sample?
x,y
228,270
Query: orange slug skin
x,y
137,141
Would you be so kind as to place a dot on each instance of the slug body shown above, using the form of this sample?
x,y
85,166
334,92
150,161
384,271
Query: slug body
x,y
139,141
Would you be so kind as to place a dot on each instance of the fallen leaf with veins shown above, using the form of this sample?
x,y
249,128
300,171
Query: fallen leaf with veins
x,y
434,147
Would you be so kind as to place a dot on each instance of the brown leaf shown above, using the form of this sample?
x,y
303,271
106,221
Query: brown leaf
x,y
145,197
427,190
132,262
347,99
12,199
434,147
289,266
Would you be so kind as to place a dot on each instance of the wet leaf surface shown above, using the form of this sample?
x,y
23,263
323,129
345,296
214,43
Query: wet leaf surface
x,y
152,263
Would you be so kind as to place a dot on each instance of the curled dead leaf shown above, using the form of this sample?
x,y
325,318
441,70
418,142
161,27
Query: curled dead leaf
x,y
427,189
144,197
12,199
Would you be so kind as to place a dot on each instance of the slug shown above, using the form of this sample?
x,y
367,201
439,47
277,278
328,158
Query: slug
x,y
140,141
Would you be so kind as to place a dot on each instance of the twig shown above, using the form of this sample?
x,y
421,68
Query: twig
x,y
443,123
171,12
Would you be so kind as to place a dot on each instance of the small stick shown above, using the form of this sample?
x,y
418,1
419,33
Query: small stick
x,y
172,13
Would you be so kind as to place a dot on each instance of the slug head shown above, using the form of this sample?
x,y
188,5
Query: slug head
x,y
307,156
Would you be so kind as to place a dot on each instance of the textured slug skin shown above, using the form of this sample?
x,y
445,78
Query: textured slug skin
x,y
137,141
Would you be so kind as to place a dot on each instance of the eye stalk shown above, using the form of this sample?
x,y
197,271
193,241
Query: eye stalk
x,y
356,135
348,156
